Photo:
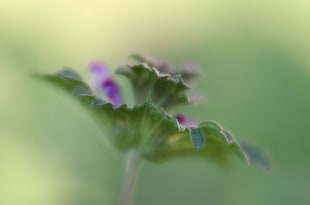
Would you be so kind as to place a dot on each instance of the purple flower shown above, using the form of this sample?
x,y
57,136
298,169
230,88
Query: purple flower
x,y
103,81
186,121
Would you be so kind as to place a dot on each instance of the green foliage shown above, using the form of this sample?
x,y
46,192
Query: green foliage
x,y
164,90
148,127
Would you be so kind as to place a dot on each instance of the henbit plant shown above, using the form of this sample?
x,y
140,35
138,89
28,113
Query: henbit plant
x,y
147,130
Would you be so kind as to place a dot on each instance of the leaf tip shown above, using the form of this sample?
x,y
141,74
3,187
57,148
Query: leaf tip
x,y
256,156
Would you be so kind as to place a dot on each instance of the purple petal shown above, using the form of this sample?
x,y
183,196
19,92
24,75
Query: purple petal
x,y
99,73
186,121
111,89
98,67
102,81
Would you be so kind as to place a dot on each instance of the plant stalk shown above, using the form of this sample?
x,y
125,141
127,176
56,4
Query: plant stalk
x,y
132,168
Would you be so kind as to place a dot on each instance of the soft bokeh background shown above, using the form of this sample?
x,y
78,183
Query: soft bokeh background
x,y
254,56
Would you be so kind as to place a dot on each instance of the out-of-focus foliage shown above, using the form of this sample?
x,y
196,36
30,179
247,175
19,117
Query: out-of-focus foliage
x,y
254,57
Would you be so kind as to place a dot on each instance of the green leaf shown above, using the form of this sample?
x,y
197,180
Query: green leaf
x,y
140,59
211,125
150,129
97,102
213,128
197,138
82,90
256,156
188,72
68,73
66,78
148,84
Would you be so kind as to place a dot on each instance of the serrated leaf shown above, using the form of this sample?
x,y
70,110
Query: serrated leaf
x,y
148,84
197,137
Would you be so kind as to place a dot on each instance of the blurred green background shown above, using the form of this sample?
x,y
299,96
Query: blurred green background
x,y
254,57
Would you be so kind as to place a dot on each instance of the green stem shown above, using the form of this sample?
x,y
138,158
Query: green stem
x,y
132,167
